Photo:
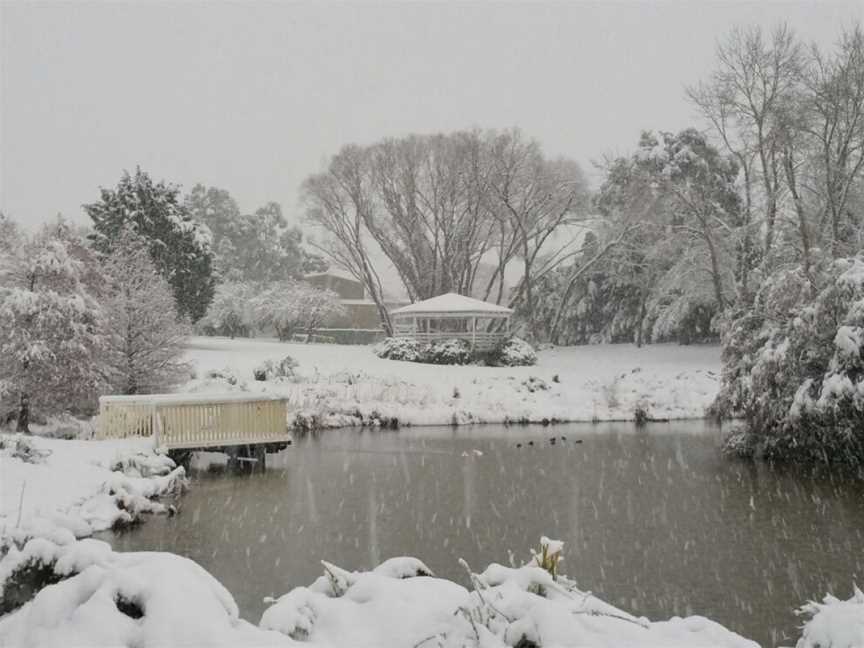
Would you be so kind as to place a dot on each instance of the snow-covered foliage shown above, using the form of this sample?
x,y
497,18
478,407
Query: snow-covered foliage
x,y
834,623
399,348
512,353
515,352
82,486
291,306
105,598
272,369
448,352
179,246
231,312
524,606
672,268
51,326
794,365
144,338
254,248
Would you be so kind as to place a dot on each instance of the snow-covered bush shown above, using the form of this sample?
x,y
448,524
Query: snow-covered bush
x,y
834,623
231,311
528,606
448,352
290,306
103,598
225,374
515,352
445,352
794,366
395,348
270,369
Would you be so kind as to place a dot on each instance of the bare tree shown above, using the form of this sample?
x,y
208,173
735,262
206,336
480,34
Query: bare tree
x,y
537,197
336,201
835,98
753,81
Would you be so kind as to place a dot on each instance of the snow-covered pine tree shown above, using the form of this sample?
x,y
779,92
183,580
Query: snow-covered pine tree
x,y
144,334
50,325
179,246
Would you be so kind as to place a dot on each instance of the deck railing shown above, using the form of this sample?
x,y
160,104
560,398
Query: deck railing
x,y
195,421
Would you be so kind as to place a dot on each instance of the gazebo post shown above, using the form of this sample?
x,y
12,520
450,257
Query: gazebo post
x,y
474,333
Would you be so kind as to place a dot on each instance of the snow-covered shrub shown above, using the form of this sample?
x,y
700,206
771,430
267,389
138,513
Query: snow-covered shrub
x,y
146,599
395,348
794,365
519,606
448,352
290,307
231,311
834,623
515,352
271,369
225,374
22,447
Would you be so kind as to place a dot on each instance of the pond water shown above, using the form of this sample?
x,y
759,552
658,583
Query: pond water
x,y
654,520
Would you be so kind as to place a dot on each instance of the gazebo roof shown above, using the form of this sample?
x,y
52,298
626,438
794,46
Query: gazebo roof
x,y
452,303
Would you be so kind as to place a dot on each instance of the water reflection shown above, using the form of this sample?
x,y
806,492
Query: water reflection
x,y
654,521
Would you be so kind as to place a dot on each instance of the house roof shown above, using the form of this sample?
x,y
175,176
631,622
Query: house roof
x,y
452,303
333,272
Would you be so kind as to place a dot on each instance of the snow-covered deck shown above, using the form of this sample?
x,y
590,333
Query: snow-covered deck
x,y
453,316
179,421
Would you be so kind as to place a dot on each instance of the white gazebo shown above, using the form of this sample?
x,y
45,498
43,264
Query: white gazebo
x,y
450,316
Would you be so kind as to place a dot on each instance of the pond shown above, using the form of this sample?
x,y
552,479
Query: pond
x,y
654,520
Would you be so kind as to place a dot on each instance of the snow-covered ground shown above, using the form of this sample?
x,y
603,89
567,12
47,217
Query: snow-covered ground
x,y
600,382
79,486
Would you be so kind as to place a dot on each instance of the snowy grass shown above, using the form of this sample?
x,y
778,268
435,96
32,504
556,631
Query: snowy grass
x,y
599,383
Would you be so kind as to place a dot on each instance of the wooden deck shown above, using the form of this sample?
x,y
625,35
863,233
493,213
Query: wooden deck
x,y
205,421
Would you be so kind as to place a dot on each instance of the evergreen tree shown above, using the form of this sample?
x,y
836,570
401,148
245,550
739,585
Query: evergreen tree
x,y
179,246
257,248
144,335
51,337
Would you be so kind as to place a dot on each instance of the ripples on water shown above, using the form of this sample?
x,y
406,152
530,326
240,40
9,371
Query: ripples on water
x,y
654,521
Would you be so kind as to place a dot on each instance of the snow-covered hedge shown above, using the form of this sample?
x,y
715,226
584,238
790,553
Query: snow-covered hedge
x,y
449,352
393,348
794,366
512,353
515,352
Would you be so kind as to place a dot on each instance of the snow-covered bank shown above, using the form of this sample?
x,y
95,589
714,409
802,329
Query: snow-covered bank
x,y
79,486
156,599
346,385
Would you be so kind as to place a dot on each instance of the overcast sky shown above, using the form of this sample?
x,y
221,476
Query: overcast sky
x,y
252,97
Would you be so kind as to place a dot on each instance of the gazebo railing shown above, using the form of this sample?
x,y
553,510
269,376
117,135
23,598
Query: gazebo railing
x,y
481,340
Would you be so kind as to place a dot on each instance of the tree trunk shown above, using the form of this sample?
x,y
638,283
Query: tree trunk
x,y
23,414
